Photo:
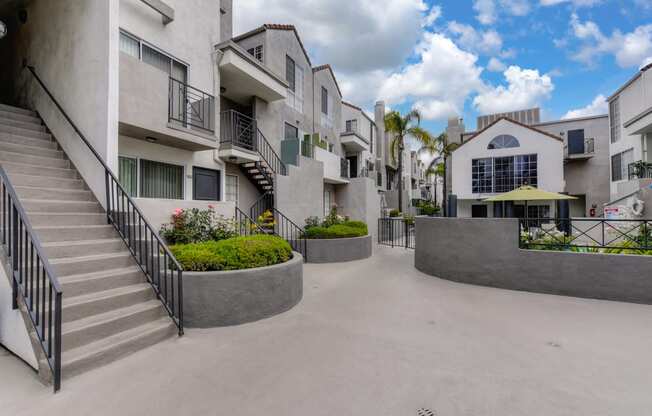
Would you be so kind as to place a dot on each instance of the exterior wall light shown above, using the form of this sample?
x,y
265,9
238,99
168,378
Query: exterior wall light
x,y
3,29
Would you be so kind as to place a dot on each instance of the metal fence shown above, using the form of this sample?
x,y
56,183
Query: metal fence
x,y
586,234
191,107
396,232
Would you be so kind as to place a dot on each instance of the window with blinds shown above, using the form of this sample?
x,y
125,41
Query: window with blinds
x,y
139,49
128,174
160,180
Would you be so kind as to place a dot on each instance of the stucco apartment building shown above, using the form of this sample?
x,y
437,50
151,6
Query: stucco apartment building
x,y
186,115
512,149
630,145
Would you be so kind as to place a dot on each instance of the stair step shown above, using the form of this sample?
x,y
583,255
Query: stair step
x,y
25,132
117,346
30,169
83,284
65,218
66,249
18,110
49,234
54,194
27,125
20,179
38,161
27,141
92,263
93,328
20,117
51,206
95,303
30,150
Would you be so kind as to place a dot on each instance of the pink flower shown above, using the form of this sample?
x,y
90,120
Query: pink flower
x,y
178,212
211,207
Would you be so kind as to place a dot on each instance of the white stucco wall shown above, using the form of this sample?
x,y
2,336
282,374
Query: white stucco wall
x,y
549,153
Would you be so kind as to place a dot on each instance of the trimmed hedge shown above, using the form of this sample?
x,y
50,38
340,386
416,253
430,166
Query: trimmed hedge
x,y
349,229
233,254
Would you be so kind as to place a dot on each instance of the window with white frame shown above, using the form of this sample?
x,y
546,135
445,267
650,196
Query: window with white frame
x,y
139,49
326,109
620,164
352,126
231,188
294,75
256,52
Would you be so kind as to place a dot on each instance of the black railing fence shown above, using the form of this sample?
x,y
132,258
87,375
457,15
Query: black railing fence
x,y
32,277
586,234
242,131
245,225
291,232
396,232
191,107
639,170
261,205
151,253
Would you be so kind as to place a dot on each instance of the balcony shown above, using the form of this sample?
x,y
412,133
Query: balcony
x,y
353,141
155,107
580,151
639,170
336,169
243,77
238,138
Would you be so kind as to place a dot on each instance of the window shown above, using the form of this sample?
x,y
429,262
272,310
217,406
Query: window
x,y
479,211
538,211
205,184
231,188
291,132
152,56
503,174
620,164
504,141
324,100
257,52
482,175
614,119
575,142
352,126
371,138
328,201
128,174
294,77
160,180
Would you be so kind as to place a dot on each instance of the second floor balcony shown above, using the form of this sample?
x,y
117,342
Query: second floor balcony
x,y
579,150
336,169
156,107
639,170
352,140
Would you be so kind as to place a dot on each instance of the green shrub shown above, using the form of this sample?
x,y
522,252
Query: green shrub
x,y
394,213
348,229
409,219
233,254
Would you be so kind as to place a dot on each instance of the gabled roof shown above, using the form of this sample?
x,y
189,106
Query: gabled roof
x,y
348,104
552,136
327,66
274,26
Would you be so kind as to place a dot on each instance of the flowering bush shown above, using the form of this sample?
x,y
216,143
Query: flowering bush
x,y
195,225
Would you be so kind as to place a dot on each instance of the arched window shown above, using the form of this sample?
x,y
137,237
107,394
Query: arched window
x,y
504,141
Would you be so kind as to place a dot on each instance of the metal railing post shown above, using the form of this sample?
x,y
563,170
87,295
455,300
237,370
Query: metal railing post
x,y
14,256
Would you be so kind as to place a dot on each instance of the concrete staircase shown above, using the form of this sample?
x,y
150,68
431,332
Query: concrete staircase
x,y
109,308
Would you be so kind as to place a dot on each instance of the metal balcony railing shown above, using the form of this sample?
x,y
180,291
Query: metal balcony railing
x,y
639,170
588,148
191,107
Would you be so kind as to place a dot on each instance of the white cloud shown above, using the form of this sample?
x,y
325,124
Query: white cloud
x,y
439,82
525,88
597,107
435,13
351,35
488,10
496,65
629,49
485,42
576,3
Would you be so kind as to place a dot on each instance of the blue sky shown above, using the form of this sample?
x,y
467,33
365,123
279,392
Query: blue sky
x,y
465,57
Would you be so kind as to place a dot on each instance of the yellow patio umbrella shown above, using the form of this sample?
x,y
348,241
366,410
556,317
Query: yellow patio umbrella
x,y
529,193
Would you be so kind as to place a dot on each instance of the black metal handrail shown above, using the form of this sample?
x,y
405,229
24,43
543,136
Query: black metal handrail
x,y
241,130
639,170
32,277
585,233
264,203
291,232
245,225
144,243
190,107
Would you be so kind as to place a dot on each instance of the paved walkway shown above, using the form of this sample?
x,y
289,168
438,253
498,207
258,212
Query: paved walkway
x,y
377,337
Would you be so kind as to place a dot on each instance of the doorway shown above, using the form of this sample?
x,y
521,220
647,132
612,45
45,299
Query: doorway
x,y
479,211
353,166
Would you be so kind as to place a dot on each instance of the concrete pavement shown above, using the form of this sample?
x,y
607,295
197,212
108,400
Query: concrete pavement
x,y
376,337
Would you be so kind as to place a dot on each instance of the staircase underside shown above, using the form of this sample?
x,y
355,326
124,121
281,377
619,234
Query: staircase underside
x,y
109,308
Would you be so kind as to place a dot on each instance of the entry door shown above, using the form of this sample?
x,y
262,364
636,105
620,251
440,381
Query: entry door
x,y
353,166
479,211
575,142
205,184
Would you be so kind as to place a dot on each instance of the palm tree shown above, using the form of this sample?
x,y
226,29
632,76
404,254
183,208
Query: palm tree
x,y
402,128
441,149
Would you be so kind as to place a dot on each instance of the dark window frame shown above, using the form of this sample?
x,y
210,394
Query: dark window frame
x,y
198,169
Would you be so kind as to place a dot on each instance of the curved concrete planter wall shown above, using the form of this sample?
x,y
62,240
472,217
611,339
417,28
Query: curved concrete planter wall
x,y
338,250
212,299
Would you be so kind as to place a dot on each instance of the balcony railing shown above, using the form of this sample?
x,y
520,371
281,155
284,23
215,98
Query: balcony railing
x,y
587,149
640,170
344,168
191,107
307,149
